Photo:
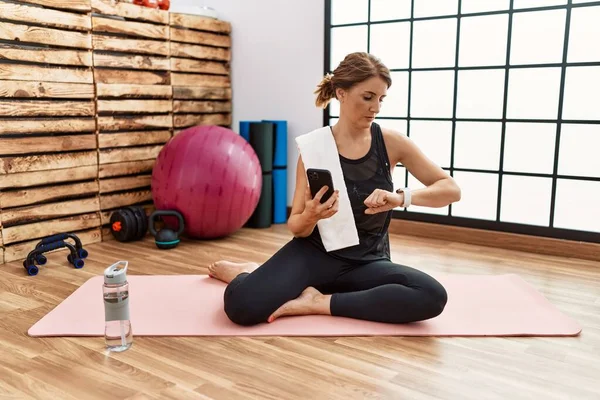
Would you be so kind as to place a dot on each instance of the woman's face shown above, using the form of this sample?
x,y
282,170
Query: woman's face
x,y
361,104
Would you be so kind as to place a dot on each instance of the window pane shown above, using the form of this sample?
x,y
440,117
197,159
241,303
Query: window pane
x,y
584,1
584,35
430,8
334,108
473,6
480,93
347,40
396,102
483,40
391,43
579,146
333,121
479,195
577,205
434,43
382,10
533,93
526,200
399,125
414,184
538,37
477,145
432,94
434,138
537,3
349,11
529,147
582,93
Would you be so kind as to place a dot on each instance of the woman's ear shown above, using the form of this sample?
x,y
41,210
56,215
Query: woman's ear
x,y
340,94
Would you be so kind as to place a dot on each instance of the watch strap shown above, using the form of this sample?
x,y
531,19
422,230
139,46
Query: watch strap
x,y
407,196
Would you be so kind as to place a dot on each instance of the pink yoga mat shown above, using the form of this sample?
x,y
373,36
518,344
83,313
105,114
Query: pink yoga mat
x,y
192,305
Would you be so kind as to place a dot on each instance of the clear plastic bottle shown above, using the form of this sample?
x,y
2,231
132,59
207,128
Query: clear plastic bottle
x,y
118,333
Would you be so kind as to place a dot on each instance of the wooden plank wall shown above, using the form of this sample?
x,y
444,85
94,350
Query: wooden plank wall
x,y
48,157
90,90
134,97
200,71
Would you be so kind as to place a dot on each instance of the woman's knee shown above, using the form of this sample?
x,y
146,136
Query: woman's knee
x,y
437,297
242,307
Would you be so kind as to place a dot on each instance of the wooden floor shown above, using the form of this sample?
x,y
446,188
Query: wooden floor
x,y
300,368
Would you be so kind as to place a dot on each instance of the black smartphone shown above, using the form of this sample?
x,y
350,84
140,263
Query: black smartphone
x,y
317,178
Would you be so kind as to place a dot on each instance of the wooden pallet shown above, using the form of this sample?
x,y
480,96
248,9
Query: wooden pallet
x,y
200,71
134,99
48,157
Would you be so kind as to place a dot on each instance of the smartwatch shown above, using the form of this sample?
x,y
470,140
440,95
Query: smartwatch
x,y
407,196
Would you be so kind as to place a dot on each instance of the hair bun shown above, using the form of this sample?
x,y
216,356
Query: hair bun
x,y
325,91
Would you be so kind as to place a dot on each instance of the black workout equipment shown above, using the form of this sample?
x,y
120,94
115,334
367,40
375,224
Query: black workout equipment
x,y
81,252
128,224
262,216
166,238
262,139
76,255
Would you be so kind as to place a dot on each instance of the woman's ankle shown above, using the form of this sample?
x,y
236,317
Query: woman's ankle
x,y
322,304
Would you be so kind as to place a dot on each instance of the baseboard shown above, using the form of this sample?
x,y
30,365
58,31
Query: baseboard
x,y
504,240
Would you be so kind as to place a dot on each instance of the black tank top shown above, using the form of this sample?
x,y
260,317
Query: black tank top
x,y
362,176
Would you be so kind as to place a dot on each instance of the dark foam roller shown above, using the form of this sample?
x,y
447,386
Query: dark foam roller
x,y
262,140
263,214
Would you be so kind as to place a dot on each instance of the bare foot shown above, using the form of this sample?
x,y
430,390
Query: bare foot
x,y
310,302
226,270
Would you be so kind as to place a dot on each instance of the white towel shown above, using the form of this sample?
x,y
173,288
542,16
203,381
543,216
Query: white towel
x,y
318,150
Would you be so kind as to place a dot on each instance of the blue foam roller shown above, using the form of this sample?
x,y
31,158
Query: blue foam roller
x,y
280,147
279,195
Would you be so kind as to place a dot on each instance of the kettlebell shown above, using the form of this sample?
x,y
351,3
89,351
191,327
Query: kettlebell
x,y
166,238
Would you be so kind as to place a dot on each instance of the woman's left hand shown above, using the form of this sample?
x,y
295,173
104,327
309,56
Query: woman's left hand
x,y
382,200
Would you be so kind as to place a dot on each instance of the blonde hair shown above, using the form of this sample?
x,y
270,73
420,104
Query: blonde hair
x,y
355,68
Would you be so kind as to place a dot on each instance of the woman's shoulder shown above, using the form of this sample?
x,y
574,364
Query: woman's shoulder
x,y
396,143
392,134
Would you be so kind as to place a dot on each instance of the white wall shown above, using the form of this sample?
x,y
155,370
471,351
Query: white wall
x,y
277,62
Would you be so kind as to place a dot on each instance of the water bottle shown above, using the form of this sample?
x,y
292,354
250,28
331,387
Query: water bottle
x,y
117,333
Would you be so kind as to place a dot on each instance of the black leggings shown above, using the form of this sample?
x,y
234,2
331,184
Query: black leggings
x,y
378,291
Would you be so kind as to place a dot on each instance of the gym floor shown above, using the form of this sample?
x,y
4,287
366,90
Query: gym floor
x,y
300,368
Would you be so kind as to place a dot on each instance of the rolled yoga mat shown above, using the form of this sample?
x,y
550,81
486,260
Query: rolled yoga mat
x,y
192,305
261,136
279,171
262,140
279,195
262,217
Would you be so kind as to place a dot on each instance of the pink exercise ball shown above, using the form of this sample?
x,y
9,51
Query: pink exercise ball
x,y
212,176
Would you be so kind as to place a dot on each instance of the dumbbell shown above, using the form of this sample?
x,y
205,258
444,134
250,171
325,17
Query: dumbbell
x,y
129,223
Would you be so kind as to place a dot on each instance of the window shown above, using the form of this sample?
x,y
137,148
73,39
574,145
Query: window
x,y
503,95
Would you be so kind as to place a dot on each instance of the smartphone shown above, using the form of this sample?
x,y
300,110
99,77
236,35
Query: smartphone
x,y
317,178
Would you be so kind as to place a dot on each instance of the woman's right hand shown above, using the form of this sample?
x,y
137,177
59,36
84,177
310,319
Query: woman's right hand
x,y
314,210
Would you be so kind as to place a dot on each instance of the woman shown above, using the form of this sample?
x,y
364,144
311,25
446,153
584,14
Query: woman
x,y
360,281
